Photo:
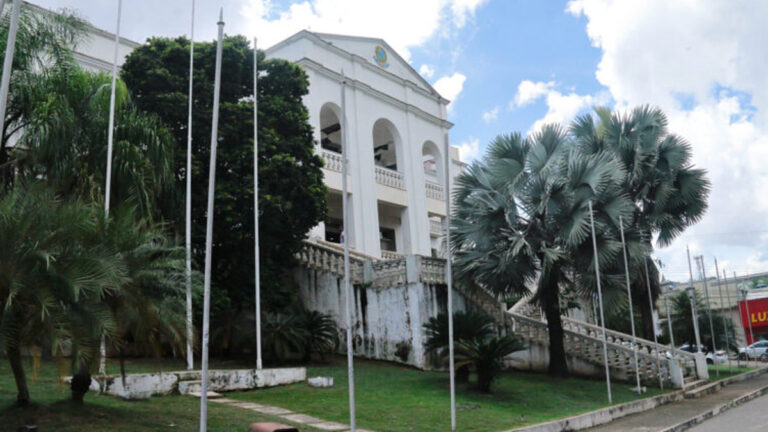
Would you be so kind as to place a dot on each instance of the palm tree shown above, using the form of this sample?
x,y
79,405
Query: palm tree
x,y
486,355
52,276
522,219
682,323
321,335
667,192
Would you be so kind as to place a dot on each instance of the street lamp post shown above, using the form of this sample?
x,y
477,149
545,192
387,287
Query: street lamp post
x,y
691,291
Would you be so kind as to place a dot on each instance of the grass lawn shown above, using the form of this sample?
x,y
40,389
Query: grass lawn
x,y
398,398
726,371
52,410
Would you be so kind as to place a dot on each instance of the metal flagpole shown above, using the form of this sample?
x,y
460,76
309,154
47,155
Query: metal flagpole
x,y
655,338
736,306
600,299
693,303
209,228
631,309
749,317
256,199
110,139
722,316
345,216
188,228
449,280
709,309
10,48
669,323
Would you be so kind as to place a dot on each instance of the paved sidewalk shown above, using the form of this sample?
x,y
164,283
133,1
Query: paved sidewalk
x,y
287,415
677,412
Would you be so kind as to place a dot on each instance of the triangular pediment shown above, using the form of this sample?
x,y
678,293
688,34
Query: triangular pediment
x,y
379,54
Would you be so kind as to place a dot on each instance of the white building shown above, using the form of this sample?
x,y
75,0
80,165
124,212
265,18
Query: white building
x,y
397,131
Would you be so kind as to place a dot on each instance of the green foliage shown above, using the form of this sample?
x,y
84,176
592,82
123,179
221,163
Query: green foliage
x,y
321,335
486,355
283,337
291,190
682,324
467,325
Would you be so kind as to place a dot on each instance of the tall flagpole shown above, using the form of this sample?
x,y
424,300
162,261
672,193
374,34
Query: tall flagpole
x,y
655,338
345,216
693,303
10,47
600,299
722,315
188,229
631,309
256,198
110,139
449,280
209,228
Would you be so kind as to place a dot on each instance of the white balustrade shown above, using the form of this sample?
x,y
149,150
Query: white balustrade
x,y
435,190
333,160
388,177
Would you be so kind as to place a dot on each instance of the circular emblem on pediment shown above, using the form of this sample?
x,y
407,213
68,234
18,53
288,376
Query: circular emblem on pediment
x,y
380,56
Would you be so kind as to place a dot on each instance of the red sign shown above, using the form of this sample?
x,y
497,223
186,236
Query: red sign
x,y
758,316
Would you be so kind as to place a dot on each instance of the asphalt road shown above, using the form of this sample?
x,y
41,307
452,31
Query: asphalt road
x,y
750,417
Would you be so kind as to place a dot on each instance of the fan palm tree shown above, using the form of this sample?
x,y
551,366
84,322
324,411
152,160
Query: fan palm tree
x,y
667,193
52,276
522,219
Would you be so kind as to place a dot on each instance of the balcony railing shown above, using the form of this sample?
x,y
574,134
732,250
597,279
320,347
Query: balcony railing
x,y
388,177
435,191
435,227
333,160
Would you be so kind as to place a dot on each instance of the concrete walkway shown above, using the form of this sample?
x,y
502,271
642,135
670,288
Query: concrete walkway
x,y
667,416
287,415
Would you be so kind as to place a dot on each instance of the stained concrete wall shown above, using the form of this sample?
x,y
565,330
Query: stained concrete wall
x,y
387,322
536,358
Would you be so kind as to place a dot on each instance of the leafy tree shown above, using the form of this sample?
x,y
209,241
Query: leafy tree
x,y
487,356
292,193
522,219
682,324
53,276
668,193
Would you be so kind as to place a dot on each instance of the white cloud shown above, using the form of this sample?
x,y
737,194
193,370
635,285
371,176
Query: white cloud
x,y
491,115
469,150
561,108
427,71
706,68
529,91
373,18
450,87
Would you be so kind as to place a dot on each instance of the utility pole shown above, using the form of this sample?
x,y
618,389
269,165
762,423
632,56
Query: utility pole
x,y
691,291
700,260
722,316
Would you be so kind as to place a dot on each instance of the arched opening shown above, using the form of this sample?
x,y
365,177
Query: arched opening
x,y
385,143
330,127
433,166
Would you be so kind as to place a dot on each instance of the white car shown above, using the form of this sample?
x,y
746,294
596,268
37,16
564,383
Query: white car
x,y
718,357
758,350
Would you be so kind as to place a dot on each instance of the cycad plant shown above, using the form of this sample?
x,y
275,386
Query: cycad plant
x,y
487,355
467,326
321,334
522,219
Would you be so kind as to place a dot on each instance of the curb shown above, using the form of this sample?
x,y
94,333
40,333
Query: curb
x,y
607,415
603,415
717,410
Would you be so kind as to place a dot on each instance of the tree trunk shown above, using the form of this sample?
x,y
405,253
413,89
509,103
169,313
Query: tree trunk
x,y
558,366
647,317
81,382
14,358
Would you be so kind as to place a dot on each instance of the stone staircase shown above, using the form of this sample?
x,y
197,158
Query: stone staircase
x,y
582,340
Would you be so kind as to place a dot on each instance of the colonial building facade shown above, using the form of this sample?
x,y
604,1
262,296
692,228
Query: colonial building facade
x,y
396,138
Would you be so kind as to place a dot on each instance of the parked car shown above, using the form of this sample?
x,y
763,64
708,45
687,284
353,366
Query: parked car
x,y
758,350
718,357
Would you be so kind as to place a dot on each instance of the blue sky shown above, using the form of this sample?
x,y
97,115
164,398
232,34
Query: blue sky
x,y
545,61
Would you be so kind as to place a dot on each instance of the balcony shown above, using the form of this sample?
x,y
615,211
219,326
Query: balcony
x,y
435,227
435,190
333,160
388,177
